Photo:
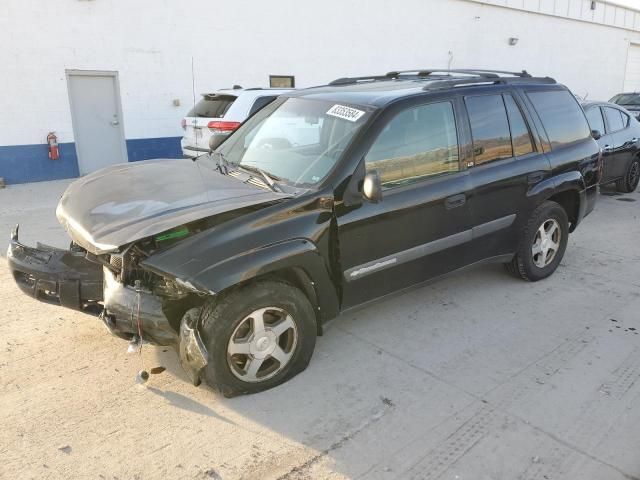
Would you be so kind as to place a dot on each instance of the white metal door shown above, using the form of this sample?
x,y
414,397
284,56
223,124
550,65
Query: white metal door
x,y
97,119
632,75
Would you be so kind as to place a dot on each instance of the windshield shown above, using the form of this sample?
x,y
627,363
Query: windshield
x,y
295,140
626,99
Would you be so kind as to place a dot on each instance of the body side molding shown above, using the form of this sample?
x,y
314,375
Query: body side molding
x,y
429,248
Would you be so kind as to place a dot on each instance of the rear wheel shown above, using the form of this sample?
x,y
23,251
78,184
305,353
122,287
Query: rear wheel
x,y
542,243
629,182
258,336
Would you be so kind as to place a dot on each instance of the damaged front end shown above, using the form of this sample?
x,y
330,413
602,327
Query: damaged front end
x,y
132,303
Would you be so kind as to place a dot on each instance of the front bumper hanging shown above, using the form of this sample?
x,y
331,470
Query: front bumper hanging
x,y
68,279
52,275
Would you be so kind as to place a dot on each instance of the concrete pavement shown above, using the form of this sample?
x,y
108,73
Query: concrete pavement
x,y
479,376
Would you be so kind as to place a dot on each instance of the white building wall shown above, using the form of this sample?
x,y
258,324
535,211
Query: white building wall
x,y
151,42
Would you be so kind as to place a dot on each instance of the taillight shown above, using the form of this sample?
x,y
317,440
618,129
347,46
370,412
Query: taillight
x,y
183,123
217,126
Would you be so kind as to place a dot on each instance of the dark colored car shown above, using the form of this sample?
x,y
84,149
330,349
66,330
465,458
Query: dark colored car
x,y
324,200
620,143
630,101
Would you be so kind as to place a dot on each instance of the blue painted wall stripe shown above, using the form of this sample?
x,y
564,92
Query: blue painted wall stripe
x,y
31,163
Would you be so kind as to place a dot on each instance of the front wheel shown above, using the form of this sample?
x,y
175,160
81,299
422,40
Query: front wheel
x,y
258,336
542,243
629,182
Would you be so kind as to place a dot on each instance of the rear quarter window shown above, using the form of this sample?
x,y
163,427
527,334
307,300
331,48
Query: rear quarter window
x,y
212,106
261,102
561,116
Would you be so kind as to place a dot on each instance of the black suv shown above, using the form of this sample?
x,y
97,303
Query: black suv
x,y
324,200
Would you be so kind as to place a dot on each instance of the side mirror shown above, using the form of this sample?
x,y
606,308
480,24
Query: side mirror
x,y
596,134
372,187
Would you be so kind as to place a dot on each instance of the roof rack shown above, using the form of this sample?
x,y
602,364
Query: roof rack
x,y
455,82
448,77
425,72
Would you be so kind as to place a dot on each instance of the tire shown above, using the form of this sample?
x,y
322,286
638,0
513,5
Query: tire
x,y
629,182
228,327
532,267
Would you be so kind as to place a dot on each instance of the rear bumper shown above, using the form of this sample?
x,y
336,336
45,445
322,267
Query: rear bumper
x,y
591,198
588,199
190,150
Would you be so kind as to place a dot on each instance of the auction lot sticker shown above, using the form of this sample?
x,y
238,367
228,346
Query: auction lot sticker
x,y
346,113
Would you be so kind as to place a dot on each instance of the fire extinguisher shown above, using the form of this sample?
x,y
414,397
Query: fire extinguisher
x,y
52,140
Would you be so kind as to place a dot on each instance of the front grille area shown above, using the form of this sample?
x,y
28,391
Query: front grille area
x,y
116,261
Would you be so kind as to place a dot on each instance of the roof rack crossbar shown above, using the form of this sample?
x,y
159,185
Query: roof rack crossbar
x,y
349,80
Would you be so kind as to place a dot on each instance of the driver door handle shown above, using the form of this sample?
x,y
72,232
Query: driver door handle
x,y
535,177
455,201
607,148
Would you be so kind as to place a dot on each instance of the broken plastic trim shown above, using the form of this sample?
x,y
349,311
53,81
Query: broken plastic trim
x,y
192,351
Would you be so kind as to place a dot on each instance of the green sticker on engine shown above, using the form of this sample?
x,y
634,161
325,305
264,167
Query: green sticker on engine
x,y
182,232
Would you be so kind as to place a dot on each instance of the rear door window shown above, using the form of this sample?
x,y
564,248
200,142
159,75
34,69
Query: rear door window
x,y
561,116
594,116
212,106
489,128
614,120
520,135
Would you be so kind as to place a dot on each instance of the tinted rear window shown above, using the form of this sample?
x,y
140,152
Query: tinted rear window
x,y
212,106
614,119
561,116
489,128
260,103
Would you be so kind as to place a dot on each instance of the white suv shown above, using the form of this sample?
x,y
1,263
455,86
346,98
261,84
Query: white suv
x,y
220,113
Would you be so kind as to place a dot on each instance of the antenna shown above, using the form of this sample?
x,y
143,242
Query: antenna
x,y
193,92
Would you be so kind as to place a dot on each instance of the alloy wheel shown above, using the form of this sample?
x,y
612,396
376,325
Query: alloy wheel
x,y
546,243
262,344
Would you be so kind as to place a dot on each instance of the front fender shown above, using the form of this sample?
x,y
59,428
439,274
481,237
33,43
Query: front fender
x,y
299,253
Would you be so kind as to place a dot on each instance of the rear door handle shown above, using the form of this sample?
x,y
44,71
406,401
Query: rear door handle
x,y
535,177
455,201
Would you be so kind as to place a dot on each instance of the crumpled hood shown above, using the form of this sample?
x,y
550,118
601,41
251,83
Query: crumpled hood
x,y
128,202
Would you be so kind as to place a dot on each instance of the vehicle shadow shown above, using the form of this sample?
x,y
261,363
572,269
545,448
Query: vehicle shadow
x,y
185,403
383,377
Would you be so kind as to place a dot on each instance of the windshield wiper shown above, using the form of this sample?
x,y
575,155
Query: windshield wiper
x,y
267,178
222,164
